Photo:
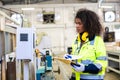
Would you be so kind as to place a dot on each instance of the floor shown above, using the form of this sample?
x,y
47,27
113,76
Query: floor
x,y
112,76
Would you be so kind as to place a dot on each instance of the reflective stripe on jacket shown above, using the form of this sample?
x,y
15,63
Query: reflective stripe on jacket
x,y
92,52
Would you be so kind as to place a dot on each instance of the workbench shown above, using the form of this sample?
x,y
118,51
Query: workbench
x,y
114,60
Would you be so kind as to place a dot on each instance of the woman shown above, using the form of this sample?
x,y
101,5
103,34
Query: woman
x,y
90,46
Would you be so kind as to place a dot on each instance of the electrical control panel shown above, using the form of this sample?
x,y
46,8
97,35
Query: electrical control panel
x,y
25,43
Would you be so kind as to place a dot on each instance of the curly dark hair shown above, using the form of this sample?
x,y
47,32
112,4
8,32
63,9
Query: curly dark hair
x,y
91,22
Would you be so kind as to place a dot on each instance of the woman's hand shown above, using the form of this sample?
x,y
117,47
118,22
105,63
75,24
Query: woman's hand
x,y
78,67
68,56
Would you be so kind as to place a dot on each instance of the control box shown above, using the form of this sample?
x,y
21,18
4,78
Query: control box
x,y
25,43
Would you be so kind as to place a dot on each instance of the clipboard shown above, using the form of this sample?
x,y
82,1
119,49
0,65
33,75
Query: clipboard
x,y
66,61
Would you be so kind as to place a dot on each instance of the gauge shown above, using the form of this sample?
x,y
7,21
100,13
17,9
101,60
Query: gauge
x,y
109,16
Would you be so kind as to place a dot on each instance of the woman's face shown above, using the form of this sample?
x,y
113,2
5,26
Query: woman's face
x,y
79,25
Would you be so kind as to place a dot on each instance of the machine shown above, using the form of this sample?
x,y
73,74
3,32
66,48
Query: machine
x,y
44,58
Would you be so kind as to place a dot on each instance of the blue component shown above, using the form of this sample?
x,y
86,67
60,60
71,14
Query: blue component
x,y
39,72
49,61
38,76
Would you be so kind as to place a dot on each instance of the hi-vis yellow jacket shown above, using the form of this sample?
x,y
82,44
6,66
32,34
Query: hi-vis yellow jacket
x,y
92,52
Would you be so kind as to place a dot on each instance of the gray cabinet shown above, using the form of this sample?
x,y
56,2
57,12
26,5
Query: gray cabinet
x,y
114,61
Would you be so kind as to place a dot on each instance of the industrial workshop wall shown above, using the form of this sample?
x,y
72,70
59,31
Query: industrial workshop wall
x,y
62,30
